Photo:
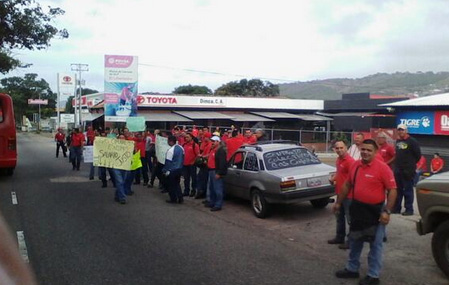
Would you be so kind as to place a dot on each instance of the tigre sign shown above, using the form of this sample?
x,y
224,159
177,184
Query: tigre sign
x,y
425,122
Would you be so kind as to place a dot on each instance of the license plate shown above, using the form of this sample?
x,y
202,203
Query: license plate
x,y
314,182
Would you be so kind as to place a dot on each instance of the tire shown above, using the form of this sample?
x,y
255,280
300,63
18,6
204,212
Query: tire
x,y
9,171
320,203
260,206
440,247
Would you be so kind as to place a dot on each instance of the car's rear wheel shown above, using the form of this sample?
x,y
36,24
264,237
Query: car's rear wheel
x,y
320,203
259,205
440,247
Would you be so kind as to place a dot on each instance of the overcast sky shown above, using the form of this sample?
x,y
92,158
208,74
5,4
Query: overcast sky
x,y
223,40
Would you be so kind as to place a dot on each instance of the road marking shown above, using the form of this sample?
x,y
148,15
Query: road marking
x,y
14,198
22,246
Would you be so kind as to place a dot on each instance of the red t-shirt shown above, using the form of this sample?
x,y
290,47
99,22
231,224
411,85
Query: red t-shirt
x,y
78,139
422,164
59,137
371,182
386,151
437,163
191,151
343,166
140,145
233,145
211,159
205,148
250,140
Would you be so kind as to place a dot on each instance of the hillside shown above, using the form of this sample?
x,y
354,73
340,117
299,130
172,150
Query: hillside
x,y
399,83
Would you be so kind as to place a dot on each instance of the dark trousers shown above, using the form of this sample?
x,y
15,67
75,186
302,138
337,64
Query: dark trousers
x,y
142,171
405,192
102,174
149,161
189,174
174,186
158,173
62,146
76,154
202,178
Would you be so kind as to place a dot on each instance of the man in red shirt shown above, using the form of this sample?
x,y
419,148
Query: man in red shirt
x,y
191,151
59,139
249,138
436,164
233,144
77,144
203,175
385,149
421,167
140,142
370,179
343,163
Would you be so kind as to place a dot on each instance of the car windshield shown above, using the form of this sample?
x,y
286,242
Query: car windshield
x,y
287,158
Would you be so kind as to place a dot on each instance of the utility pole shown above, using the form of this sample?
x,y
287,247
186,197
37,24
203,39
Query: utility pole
x,y
79,67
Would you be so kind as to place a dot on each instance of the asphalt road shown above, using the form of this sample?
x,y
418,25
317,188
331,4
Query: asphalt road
x,y
76,234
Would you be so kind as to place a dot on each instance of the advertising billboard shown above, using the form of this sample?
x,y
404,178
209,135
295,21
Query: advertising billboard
x,y
442,123
120,87
417,122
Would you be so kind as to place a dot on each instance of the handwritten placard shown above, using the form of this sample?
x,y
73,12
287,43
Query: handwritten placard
x,y
113,153
289,158
161,148
88,153
135,124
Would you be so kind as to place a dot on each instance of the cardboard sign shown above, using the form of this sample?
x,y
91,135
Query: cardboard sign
x,y
161,148
135,124
113,153
88,153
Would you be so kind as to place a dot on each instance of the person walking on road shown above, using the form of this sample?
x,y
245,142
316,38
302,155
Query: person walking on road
x,y
408,154
218,168
370,179
60,142
172,169
343,164
77,144
191,151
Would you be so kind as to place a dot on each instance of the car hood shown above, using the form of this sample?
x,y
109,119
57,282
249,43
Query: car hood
x,y
305,171
438,182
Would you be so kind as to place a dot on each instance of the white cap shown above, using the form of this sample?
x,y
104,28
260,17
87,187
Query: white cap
x,y
402,126
215,138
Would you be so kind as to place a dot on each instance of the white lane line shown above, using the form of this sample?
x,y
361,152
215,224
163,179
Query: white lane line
x,y
22,246
14,198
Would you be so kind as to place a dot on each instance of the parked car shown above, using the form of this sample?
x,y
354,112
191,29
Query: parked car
x,y
432,195
278,174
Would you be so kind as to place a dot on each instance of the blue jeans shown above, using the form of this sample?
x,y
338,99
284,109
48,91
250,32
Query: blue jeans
x,y
417,176
405,191
120,177
343,218
189,174
374,255
76,154
216,190
92,171
202,179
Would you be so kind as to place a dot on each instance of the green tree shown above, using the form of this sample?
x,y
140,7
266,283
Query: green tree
x,y
25,25
68,106
192,89
248,88
29,87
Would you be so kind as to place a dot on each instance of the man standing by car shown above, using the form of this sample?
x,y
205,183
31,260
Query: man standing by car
x,y
343,164
218,168
59,138
408,154
370,179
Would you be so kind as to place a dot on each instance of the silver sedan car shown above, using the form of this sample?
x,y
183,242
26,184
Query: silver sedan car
x,y
278,173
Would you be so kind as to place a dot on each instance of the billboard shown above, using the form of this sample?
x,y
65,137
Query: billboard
x,y
66,86
417,122
120,87
442,123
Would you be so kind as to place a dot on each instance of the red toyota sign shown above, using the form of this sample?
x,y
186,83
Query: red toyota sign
x,y
442,122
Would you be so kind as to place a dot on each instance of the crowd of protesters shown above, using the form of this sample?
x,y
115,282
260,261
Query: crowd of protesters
x,y
198,155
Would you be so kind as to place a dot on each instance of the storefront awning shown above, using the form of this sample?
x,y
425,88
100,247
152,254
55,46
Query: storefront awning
x,y
204,115
90,117
276,115
313,118
163,117
243,117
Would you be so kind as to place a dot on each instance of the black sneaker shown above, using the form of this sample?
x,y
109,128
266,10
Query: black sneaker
x,y
344,245
407,214
214,209
346,274
368,280
150,185
123,202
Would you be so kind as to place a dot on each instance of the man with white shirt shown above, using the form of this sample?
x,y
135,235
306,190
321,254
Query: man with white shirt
x,y
354,150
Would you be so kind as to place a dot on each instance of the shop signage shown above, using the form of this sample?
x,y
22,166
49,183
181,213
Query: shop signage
x,y
417,122
442,122
180,101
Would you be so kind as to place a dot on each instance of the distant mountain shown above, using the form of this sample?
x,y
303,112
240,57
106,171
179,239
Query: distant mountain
x,y
399,83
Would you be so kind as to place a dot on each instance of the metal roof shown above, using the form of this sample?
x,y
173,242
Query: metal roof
x,y
243,117
347,114
428,101
90,117
313,118
203,115
276,115
163,117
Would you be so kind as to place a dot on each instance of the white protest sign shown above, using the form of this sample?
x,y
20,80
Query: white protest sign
x,y
161,148
88,153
